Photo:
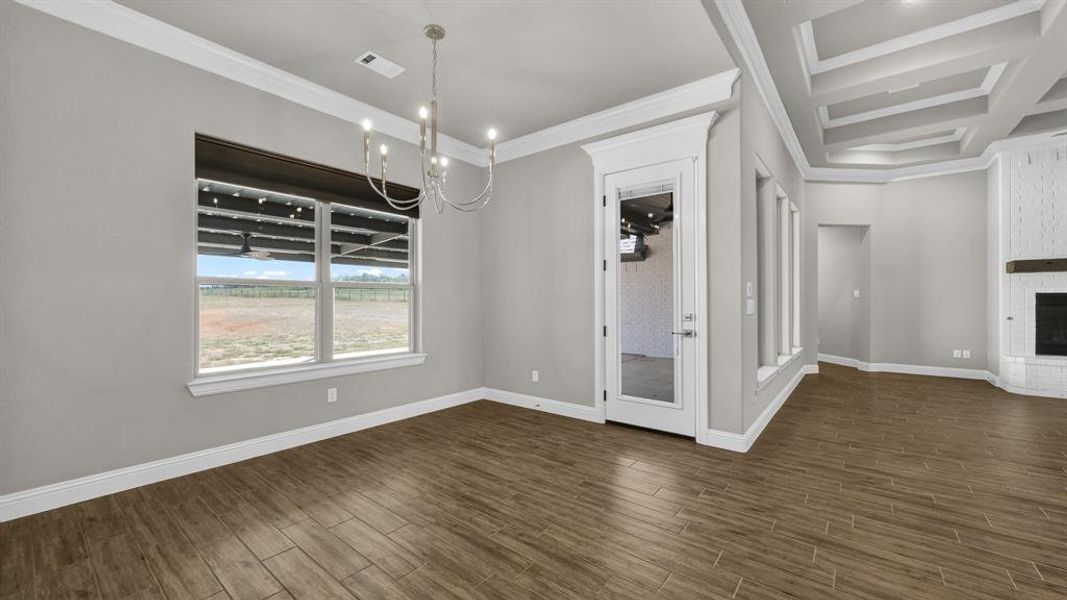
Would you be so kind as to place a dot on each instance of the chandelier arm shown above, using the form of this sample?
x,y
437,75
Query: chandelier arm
x,y
480,200
471,207
395,203
487,191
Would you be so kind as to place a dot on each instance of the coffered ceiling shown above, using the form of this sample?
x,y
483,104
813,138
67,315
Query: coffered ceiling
x,y
884,84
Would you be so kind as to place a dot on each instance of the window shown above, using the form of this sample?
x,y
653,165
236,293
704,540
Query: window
x,y
766,260
256,276
778,265
287,279
789,276
371,283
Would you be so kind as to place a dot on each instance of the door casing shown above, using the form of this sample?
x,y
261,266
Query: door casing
x,y
675,140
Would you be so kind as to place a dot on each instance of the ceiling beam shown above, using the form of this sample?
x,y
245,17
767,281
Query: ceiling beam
x,y
1002,42
918,122
1025,83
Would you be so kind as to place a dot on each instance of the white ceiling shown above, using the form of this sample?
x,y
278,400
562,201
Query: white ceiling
x,y
521,66
885,84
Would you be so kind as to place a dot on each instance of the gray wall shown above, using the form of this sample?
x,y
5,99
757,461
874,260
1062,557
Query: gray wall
x,y
97,258
928,263
844,268
760,137
993,268
538,276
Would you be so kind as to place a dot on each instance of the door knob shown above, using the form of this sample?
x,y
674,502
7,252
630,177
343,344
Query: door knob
x,y
686,333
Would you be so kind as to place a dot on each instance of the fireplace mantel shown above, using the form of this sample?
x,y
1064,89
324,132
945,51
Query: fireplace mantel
x,y
1038,265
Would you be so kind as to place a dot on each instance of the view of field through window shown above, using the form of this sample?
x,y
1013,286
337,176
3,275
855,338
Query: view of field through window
x,y
261,325
258,280
369,320
242,325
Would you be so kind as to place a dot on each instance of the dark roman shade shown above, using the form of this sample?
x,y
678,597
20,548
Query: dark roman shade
x,y
229,162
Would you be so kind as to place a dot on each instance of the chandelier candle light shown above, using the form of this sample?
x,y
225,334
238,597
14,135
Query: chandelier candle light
x,y
434,173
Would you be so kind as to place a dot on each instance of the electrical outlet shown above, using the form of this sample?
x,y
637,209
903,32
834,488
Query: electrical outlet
x,y
331,395
966,354
535,376
957,354
748,289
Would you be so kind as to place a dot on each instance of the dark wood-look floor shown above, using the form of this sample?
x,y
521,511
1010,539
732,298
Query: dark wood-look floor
x,y
864,486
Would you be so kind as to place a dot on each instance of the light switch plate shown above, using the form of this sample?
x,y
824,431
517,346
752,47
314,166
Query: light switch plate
x,y
957,354
750,307
966,354
748,289
855,293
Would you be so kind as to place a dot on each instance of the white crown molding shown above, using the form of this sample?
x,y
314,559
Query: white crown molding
x,y
40,499
740,28
128,25
605,153
931,34
948,167
691,96
122,23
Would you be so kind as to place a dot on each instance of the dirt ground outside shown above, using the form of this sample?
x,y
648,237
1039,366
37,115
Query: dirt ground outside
x,y
240,330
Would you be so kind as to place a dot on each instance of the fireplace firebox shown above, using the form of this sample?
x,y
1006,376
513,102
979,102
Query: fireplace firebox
x,y
1052,324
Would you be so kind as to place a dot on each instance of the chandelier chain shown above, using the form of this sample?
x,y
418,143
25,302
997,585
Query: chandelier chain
x,y
433,78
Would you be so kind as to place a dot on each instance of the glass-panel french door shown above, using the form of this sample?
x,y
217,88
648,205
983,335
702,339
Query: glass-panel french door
x,y
650,297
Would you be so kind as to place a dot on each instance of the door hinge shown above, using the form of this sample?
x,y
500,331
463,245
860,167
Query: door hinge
x,y
605,395
605,331
605,201
605,264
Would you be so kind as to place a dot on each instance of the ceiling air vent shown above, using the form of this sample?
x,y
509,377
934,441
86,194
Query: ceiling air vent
x,y
379,65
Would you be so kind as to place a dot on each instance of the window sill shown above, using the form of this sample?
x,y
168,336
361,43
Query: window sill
x,y
235,382
766,373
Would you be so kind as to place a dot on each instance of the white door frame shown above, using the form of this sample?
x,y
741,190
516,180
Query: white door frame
x,y
676,140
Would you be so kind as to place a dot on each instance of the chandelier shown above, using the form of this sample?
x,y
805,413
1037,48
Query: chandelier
x,y
434,166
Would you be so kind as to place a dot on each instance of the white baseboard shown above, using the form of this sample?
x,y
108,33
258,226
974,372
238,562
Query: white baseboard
x,y
556,407
956,372
742,442
28,502
1033,392
844,361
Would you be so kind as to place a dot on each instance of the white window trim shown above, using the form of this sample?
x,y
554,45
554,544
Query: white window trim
x,y
785,273
785,229
323,366
767,373
260,378
794,268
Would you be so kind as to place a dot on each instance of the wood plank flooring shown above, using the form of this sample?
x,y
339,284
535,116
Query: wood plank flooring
x,y
864,486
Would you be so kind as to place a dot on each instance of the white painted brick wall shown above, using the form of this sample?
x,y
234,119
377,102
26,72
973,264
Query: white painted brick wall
x,y
647,299
1034,225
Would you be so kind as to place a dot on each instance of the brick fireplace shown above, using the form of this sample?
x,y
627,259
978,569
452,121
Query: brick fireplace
x,y
1033,230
